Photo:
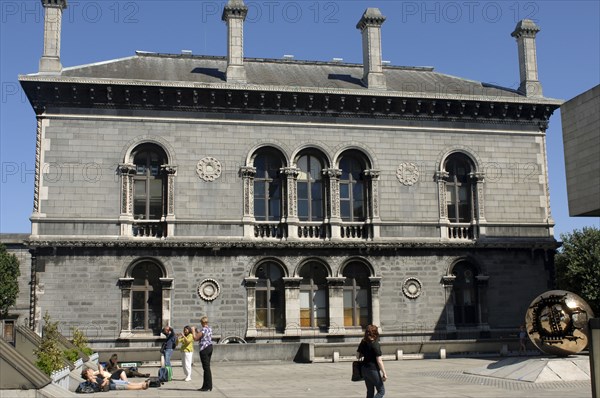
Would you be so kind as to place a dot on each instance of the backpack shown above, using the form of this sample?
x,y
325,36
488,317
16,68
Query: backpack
x,y
163,375
169,373
86,388
154,382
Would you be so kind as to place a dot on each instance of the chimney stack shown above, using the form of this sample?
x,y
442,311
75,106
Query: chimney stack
x,y
525,33
370,26
234,15
50,61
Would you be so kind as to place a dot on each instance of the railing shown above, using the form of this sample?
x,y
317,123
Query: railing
x,y
270,230
61,377
462,231
149,229
356,231
313,230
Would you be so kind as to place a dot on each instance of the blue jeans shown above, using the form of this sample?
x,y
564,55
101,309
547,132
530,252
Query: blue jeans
x,y
168,354
373,381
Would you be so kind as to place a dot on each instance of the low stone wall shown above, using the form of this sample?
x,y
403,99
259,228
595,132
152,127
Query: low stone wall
x,y
320,352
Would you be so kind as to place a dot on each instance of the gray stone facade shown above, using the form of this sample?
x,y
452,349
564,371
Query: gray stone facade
x,y
581,125
442,230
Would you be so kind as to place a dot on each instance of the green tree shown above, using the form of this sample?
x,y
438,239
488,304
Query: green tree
x,y
9,280
49,353
578,265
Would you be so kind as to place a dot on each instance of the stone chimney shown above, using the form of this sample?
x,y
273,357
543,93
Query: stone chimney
x,y
50,61
234,15
370,26
525,33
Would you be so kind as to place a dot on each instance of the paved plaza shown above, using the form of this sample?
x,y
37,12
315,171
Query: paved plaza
x,y
425,378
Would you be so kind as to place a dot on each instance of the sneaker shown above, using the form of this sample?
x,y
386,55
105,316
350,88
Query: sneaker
x,y
187,379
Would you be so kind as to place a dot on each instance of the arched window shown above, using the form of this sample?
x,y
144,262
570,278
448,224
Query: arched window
x,y
270,296
268,187
353,197
149,183
464,293
146,298
313,296
459,193
357,297
310,189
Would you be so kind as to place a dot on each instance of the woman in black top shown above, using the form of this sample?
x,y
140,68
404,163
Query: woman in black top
x,y
370,351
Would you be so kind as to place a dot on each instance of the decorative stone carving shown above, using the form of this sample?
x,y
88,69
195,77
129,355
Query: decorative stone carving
x,y
408,173
209,169
412,288
209,289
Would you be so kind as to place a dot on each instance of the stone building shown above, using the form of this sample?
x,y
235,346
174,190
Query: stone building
x,y
580,118
285,199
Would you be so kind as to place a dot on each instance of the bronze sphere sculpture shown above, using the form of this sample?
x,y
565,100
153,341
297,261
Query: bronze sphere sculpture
x,y
557,322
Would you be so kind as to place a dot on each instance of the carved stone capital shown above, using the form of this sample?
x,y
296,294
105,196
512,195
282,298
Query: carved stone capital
x,y
250,282
441,175
247,172
126,169
372,174
166,283
290,171
332,173
292,282
477,177
169,169
336,282
448,280
375,281
125,283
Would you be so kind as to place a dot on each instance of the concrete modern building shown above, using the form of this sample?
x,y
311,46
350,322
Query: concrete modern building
x,y
285,199
581,136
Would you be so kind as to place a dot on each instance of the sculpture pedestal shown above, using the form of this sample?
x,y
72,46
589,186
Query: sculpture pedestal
x,y
538,370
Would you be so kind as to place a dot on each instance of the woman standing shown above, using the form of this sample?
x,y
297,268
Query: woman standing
x,y
187,351
206,349
370,351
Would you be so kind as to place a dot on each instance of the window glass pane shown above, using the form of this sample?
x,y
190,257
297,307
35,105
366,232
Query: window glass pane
x,y
276,302
259,189
316,191
359,211
345,210
137,320
156,200
139,199
348,308
344,191
138,300
303,213
302,190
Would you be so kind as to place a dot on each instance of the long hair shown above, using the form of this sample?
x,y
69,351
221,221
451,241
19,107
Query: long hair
x,y
371,333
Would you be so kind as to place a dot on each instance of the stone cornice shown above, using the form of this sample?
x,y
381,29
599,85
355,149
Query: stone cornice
x,y
44,93
530,244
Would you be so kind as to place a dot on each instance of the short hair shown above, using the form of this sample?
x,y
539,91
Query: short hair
x,y
84,373
204,320
113,356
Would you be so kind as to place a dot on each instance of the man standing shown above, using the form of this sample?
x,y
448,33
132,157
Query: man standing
x,y
169,344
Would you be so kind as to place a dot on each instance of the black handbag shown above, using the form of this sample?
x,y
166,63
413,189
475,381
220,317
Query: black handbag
x,y
357,371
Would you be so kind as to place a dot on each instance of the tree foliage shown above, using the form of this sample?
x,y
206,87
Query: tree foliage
x,y
49,353
81,341
9,280
578,265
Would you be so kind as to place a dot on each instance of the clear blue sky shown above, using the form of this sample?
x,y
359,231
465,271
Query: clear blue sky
x,y
470,39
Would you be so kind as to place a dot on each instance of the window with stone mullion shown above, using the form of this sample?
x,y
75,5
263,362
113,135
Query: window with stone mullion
x,y
459,196
267,188
310,189
352,190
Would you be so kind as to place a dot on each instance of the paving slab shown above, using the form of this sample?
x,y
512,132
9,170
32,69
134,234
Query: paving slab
x,y
424,378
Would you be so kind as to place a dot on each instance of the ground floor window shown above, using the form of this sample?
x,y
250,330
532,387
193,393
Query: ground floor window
x,y
270,296
357,297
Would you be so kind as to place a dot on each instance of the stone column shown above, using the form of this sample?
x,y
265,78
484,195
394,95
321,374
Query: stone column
x,y
171,172
525,33
291,200
375,306
125,286
127,171
250,284
292,306
373,212
481,282
448,282
248,173
167,286
441,177
333,205
336,305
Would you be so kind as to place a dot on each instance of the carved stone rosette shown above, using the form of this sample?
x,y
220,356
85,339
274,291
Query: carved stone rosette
x,y
408,173
412,288
209,169
209,290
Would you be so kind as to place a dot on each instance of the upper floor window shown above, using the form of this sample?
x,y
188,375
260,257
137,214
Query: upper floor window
x,y
353,198
310,189
268,187
149,184
459,200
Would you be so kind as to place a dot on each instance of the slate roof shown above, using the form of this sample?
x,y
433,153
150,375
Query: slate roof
x,y
286,75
